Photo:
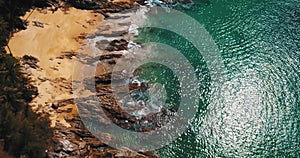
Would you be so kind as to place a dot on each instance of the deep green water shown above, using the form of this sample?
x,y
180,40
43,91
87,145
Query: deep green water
x,y
258,111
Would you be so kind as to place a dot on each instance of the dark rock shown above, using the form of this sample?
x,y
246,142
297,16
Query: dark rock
x,y
83,133
67,55
143,86
107,78
94,143
30,60
110,56
86,4
38,24
101,12
117,45
104,5
54,105
150,154
112,62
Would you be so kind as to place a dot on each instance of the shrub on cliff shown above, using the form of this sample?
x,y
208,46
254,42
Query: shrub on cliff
x,y
24,132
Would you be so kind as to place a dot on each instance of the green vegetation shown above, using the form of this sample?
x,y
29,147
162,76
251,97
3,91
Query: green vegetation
x,y
23,132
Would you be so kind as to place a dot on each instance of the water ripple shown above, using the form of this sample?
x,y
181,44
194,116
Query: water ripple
x,y
257,111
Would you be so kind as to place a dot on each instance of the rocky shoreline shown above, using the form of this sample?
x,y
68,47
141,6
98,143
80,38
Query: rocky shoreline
x,y
62,91
70,136
112,39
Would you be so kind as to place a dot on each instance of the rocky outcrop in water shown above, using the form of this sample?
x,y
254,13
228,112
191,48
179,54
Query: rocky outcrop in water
x,y
71,138
77,141
103,107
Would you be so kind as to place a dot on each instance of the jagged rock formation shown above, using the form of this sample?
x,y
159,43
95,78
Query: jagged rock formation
x,y
70,137
104,5
112,44
77,141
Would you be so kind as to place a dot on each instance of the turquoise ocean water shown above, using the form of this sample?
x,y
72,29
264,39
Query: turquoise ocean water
x,y
258,111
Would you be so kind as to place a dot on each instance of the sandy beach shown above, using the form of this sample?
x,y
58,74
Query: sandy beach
x,y
53,38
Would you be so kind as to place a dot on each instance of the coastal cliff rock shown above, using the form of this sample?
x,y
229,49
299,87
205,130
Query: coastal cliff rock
x,y
77,141
49,64
105,5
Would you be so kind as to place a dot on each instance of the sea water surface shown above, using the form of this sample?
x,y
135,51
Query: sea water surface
x,y
257,112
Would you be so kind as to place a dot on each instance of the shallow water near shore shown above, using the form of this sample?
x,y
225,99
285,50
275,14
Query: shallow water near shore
x,y
256,113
